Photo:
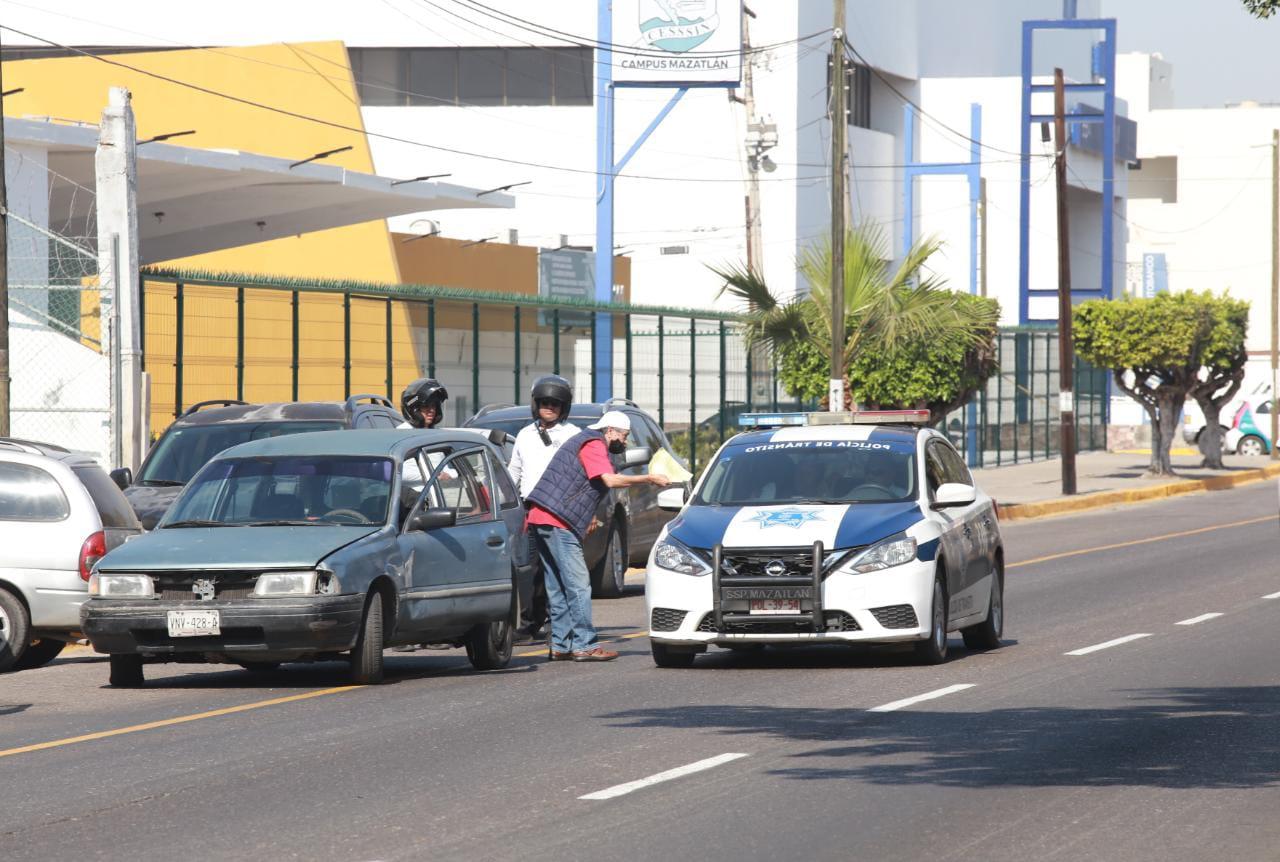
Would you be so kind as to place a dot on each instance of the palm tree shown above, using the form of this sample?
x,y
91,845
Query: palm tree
x,y
885,307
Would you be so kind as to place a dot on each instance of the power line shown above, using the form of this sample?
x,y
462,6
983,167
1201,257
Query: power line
x,y
342,126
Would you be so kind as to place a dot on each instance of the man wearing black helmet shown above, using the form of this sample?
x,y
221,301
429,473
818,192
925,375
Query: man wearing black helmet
x,y
550,400
422,403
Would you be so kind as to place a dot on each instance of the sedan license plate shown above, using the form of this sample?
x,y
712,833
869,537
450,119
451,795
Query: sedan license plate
x,y
775,606
190,624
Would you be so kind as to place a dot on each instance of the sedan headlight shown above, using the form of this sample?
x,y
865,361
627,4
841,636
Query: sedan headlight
x,y
891,552
122,586
675,557
272,584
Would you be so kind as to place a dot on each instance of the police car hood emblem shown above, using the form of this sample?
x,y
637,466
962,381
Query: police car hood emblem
x,y
789,517
775,568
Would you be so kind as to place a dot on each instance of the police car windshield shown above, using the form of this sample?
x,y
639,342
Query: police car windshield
x,y
834,472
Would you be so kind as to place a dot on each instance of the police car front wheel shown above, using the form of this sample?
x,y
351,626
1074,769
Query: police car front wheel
x,y
933,650
669,656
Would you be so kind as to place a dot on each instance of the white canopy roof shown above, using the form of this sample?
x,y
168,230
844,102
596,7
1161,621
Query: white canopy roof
x,y
217,199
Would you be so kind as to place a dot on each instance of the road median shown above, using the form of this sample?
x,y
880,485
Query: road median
x,y
1102,499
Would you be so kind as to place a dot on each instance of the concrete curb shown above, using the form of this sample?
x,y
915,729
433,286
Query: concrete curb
x,y
1100,499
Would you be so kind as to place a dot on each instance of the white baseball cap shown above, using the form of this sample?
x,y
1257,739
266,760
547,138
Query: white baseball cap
x,y
612,419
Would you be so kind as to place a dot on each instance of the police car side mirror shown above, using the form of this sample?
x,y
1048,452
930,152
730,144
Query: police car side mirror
x,y
637,457
954,494
672,499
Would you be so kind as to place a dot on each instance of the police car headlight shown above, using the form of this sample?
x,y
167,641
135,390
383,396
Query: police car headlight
x,y
891,552
675,557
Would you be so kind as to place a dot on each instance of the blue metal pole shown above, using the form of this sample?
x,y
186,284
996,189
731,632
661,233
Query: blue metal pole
x,y
1109,161
602,379
909,176
1024,177
975,183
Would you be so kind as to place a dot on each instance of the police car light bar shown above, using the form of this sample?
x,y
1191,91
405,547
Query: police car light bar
x,y
861,417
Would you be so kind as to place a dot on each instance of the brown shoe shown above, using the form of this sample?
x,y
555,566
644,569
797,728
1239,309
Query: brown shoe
x,y
554,655
597,654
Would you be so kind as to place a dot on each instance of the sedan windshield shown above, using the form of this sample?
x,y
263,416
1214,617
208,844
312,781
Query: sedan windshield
x,y
812,472
285,491
184,450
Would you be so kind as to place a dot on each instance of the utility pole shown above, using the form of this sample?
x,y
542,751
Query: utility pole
x,y
4,281
1066,351
839,153
1275,287
755,249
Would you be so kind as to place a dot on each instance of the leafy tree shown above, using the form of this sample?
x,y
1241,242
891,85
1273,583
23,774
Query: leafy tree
x,y
1222,370
1262,8
1155,349
888,309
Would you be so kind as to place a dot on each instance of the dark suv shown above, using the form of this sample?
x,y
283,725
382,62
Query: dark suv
x,y
209,427
631,515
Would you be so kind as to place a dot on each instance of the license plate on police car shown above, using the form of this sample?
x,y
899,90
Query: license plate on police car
x,y
774,606
190,624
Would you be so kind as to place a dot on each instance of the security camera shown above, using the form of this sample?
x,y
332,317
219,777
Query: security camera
x,y
768,164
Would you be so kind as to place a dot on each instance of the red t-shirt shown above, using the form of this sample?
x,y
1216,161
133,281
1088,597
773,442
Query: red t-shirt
x,y
595,460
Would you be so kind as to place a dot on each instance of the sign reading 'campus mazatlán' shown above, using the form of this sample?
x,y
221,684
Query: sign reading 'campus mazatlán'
x,y
678,41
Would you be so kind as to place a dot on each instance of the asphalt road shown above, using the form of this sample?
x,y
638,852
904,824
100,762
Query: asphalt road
x,y
1162,746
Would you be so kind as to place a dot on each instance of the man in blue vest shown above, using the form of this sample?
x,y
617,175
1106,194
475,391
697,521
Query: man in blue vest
x,y
561,510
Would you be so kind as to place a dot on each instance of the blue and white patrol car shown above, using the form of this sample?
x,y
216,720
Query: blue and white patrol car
x,y
828,528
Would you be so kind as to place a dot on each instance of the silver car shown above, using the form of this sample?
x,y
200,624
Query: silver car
x,y
59,514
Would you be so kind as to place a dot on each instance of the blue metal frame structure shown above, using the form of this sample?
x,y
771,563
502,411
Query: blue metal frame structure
x,y
971,169
1107,89
607,170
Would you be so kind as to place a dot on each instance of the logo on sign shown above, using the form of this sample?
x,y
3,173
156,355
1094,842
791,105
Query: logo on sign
x,y
790,517
677,26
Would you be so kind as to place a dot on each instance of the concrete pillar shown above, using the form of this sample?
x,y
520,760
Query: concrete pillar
x,y
116,167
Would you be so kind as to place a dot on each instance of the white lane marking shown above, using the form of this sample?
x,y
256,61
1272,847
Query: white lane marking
x,y
909,701
1198,619
678,772
1116,642
1272,596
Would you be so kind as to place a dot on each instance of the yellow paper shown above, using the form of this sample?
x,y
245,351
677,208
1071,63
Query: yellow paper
x,y
663,462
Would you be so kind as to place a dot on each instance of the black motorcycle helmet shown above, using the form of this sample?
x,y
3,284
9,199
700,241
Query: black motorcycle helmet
x,y
419,394
551,386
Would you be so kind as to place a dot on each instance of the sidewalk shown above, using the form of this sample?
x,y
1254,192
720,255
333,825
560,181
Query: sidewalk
x,y
1107,479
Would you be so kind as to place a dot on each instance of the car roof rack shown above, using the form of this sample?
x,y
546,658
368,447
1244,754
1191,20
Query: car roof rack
x,y
32,447
216,402
489,408
915,418
625,402
381,400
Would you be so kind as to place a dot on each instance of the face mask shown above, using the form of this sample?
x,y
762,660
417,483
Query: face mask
x,y
617,447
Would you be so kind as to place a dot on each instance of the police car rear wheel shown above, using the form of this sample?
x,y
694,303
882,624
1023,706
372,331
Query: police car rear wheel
x,y
987,634
666,656
933,650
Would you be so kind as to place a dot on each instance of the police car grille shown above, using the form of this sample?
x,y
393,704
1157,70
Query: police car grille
x,y
754,563
836,621
666,619
896,617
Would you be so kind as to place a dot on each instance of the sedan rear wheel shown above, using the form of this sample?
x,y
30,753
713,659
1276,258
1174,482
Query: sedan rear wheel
x,y
1251,445
489,644
613,567
14,626
39,653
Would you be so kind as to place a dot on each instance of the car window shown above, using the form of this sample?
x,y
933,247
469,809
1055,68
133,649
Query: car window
x,y
183,450
313,489
935,472
953,465
113,507
508,497
28,493
659,439
1264,407
810,472
466,492
641,433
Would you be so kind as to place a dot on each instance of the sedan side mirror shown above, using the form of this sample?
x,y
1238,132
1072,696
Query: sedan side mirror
x,y
431,519
638,456
122,476
672,499
954,494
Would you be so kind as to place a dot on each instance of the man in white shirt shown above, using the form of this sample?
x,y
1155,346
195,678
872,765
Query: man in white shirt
x,y
551,398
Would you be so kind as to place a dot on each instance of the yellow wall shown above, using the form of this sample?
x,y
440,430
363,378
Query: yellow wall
x,y
307,78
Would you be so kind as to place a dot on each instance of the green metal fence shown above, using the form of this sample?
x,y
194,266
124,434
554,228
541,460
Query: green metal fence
x,y
210,336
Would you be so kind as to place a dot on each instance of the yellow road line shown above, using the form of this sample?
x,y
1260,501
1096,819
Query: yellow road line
x,y
1130,544
182,719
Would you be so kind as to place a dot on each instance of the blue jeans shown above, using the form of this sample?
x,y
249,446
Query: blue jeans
x,y
568,589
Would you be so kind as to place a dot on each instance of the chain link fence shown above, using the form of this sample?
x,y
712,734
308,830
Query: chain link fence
x,y
59,391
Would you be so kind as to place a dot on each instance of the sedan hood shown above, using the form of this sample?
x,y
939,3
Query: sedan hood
x,y
151,502
231,548
792,525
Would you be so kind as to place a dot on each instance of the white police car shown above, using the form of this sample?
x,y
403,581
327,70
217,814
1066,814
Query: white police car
x,y
832,528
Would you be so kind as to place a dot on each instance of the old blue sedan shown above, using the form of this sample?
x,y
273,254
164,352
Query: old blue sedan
x,y
314,546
